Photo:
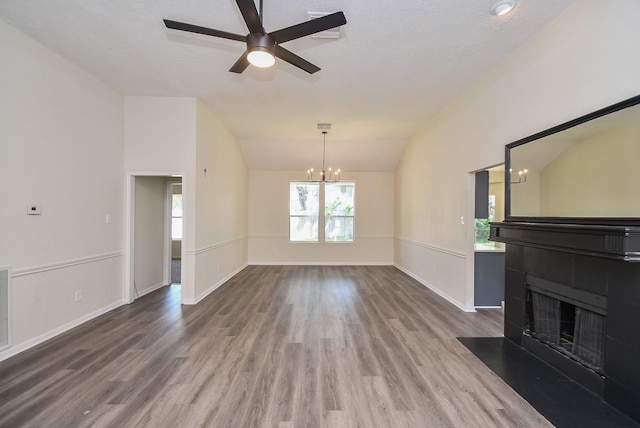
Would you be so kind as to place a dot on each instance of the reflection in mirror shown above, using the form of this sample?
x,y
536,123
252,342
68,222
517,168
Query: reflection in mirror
x,y
589,170
495,211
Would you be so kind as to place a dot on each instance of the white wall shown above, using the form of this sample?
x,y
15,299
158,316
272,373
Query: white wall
x,y
221,204
269,222
584,60
160,139
61,147
180,135
149,250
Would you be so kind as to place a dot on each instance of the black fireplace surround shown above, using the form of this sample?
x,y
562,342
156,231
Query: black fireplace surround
x,y
572,297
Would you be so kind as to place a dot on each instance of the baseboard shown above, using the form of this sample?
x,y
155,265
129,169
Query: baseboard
x,y
436,290
16,349
213,287
308,263
150,289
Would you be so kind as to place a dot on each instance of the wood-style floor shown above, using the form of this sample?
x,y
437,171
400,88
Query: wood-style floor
x,y
276,346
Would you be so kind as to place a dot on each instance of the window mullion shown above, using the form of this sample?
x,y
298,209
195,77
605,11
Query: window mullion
x,y
321,214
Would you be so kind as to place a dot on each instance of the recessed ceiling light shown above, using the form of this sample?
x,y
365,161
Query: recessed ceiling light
x,y
503,7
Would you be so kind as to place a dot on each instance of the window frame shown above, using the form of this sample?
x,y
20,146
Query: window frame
x,y
352,216
181,216
321,216
305,215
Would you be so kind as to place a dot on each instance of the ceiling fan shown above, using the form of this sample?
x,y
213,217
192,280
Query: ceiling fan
x,y
262,47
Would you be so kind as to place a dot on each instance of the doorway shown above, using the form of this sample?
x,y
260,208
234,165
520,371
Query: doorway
x,y
489,257
149,233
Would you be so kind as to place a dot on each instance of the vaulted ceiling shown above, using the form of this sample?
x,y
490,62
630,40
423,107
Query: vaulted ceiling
x,y
396,64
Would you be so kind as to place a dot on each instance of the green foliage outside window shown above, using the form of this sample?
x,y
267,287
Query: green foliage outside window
x,y
482,230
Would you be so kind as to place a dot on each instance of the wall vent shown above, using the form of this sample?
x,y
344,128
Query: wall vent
x,y
4,308
333,33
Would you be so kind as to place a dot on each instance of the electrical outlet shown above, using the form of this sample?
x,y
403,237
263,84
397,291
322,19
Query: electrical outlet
x,y
78,295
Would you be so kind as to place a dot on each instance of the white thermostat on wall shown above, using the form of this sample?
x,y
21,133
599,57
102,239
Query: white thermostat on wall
x,y
34,209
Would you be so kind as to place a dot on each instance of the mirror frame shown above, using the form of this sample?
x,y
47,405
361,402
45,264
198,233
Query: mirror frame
x,y
631,221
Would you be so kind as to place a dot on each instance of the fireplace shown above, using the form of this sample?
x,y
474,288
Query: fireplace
x,y
566,321
572,298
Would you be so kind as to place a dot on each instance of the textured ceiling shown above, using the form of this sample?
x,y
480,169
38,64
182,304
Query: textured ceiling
x,y
396,64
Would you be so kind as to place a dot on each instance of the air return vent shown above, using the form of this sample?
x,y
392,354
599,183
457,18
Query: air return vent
x,y
333,33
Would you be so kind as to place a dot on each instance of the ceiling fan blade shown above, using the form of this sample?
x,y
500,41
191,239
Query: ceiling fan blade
x,y
310,27
294,59
250,15
175,25
241,64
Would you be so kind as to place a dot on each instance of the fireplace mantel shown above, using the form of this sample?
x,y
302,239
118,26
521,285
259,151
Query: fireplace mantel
x,y
617,242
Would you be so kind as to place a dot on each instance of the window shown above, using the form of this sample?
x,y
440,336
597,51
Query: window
x,y
304,204
339,211
305,216
482,224
176,216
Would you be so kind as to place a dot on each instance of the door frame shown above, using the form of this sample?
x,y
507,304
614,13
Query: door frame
x,y
130,215
470,232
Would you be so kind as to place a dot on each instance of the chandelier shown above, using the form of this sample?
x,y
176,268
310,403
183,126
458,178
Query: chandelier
x,y
325,175
522,176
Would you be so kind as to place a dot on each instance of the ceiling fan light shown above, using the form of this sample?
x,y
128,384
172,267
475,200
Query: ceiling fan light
x,y
261,58
503,7
261,48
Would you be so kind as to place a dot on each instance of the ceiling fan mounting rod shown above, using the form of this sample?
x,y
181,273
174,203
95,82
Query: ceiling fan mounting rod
x,y
261,18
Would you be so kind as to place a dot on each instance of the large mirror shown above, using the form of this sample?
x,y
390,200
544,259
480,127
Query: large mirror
x,y
586,170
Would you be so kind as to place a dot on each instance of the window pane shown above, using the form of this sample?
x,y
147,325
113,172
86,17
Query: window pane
x,y
338,229
339,199
304,205
339,210
482,227
303,198
176,228
176,208
304,228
